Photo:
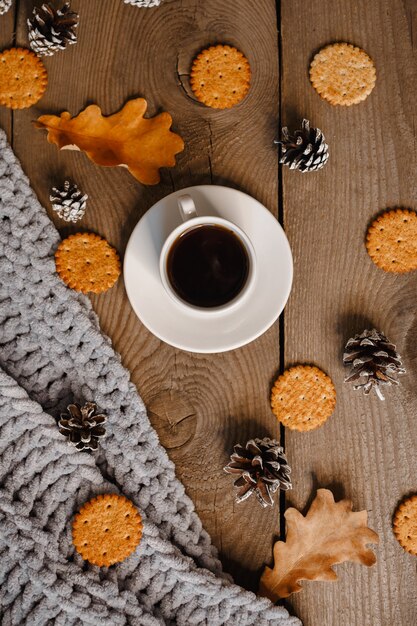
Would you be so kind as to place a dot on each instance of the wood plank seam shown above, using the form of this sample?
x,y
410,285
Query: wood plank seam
x,y
281,323
16,9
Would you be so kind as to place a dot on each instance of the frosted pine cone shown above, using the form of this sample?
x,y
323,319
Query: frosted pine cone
x,y
82,425
374,362
262,469
5,6
52,29
306,150
69,203
145,4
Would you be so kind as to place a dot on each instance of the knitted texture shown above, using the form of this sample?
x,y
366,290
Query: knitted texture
x,y
52,353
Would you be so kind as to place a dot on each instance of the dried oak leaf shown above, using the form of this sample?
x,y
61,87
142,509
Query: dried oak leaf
x,y
330,533
125,138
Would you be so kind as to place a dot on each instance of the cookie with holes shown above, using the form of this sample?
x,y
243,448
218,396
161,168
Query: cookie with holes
x,y
107,529
405,524
391,241
303,397
23,78
87,263
342,74
220,76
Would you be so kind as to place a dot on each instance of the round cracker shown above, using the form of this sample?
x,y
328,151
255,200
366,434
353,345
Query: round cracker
x,y
342,74
303,397
23,78
87,263
391,241
107,529
405,524
220,76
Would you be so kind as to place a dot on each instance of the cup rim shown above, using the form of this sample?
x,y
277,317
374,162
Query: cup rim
x,y
190,224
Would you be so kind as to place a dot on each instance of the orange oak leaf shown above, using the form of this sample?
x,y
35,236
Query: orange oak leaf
x,y
126,138
330,533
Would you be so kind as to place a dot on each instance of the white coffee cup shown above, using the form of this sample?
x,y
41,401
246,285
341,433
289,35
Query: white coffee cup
x,y
191,220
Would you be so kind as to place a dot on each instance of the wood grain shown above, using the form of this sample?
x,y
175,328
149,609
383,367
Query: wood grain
x,y
367,450
6,40
200,405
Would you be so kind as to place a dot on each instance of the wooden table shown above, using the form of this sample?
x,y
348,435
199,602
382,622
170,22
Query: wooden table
x,y
201,405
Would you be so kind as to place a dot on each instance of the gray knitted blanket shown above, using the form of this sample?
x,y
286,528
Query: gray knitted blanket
x,y
52,352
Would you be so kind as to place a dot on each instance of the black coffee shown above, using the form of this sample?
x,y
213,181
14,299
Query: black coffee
x,y
208,265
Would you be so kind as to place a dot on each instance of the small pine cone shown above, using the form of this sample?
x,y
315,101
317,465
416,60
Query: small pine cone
x,y
373,361
145,4
5,6
82,425
52,29
69,203
262,469
306,150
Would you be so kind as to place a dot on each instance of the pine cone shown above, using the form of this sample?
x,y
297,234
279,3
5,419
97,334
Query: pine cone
x,y
306,150
82,425
262,469
373,360
145,4
5,6
52,29
69,203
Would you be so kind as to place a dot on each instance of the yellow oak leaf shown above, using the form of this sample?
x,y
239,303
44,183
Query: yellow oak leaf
x,y
126,138
330,533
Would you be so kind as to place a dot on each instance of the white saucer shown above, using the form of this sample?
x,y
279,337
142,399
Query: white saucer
x,y
189,329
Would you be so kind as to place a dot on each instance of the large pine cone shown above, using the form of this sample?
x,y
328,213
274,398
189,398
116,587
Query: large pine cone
x,y
68,202
262,469
306,150
82,425
5,6
52,29
374,362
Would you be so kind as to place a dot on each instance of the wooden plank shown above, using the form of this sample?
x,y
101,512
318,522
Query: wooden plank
x,y
367,450
7,27
124,52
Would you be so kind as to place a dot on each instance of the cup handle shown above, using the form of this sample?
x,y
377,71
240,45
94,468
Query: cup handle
x,y
186,207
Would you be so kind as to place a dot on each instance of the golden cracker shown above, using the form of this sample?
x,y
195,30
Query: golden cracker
x,y
405,524
303,398
23,78
342,74
87,263
107,529
391,241
220,76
